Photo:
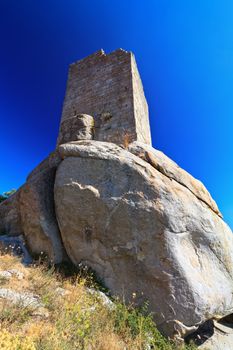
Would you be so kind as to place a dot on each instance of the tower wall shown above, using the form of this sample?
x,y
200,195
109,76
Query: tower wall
x,y
108,87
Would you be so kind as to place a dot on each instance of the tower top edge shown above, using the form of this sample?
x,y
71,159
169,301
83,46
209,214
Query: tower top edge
x,y
101,54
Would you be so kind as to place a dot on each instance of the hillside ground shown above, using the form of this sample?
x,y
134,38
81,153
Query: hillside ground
x,y
43,308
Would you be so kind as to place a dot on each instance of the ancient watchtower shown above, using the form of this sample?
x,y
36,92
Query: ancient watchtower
x,y
108,88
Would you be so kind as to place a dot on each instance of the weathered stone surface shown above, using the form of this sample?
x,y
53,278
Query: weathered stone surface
x,y
17,246
101,298
144,232
109,88
8,274
90,149
169,168
79,127
222,338
25,299
155,158
30,211
38,217
10,220
49,163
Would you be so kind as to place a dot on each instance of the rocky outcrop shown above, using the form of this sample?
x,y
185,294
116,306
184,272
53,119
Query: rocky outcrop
x,y
38,218
10,220
222,338
170,169
147,229
31,211
213,335
22,299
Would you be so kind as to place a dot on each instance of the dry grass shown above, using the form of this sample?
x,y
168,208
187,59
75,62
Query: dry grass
x,y
75,320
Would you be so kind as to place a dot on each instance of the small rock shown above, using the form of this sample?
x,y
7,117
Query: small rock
x,y
105,300
5,275
61,291
41,312
16,273
10,273
23,299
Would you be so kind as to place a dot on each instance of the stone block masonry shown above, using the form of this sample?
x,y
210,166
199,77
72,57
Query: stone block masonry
x,y
108,88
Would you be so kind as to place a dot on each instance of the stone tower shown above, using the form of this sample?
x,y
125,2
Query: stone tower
x,y
108,88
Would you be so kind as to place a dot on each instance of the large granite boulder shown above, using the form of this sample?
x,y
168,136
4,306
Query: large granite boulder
x,y
170,169
38,218
30,211
146,227
10,219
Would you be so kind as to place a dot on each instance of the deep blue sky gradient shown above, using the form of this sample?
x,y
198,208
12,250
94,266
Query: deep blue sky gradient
x,y
184,51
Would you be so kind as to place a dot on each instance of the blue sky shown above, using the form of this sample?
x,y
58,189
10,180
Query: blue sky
x,y
184,51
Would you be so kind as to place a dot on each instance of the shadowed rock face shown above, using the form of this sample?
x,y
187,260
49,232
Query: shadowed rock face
x,y
145,232
30,211
10,219
213,335
146,226
37,211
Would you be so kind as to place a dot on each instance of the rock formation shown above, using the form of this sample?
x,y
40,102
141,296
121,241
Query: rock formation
x,y
109,200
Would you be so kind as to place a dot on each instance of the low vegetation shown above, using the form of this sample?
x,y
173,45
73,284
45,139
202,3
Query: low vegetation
x,y
71,315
